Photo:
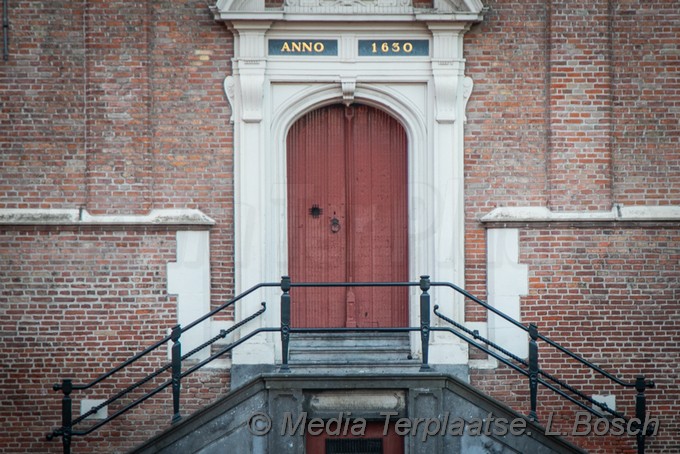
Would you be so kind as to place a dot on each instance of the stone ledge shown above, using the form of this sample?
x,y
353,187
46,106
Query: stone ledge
x,y
618,213
30,216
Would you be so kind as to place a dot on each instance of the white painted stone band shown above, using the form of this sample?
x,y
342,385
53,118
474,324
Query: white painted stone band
x,y
29,216
620,213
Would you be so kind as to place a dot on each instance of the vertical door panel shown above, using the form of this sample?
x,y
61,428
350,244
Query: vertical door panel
x,y
379,204
316,176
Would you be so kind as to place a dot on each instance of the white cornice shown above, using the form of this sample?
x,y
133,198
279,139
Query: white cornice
x,y
28,216
618,213
469,11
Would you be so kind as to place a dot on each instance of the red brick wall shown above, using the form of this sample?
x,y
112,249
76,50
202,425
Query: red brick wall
x,y
506,132
610,295
42,122
75,302
579,105
117,107
646,103
575,107
191,137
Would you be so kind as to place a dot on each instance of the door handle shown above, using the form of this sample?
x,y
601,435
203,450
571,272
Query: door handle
x,y
335,225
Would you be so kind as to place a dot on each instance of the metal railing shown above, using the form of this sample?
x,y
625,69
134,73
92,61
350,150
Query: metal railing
x,y
534,373
67,430
527,367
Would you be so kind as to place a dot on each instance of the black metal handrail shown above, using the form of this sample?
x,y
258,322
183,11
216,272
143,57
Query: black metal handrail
x,y
526,372
533,371
540,336
66,431
527,367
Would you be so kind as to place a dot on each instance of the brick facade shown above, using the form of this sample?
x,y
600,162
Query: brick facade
x,y
610,295
76,302
118,108
575,108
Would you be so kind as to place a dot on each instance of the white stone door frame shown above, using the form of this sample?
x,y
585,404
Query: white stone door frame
x,y
427,95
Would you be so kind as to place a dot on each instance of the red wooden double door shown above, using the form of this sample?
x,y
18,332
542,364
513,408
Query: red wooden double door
x,y
348,216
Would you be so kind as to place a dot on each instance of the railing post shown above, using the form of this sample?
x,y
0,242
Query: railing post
x,y
641,412
67,415
285,322
533,370
176,371
425,321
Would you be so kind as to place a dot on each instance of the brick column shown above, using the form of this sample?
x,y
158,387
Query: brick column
x,y
580,116
117,36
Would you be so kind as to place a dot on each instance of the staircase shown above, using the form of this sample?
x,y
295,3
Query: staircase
x,y
351,373
227,425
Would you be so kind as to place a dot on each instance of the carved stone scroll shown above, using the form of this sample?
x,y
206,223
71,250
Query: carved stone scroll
x,y
466,91
229,91
445,88
348,88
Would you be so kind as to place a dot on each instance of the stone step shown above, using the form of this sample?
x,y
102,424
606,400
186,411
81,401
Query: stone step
x,y
350,348
355,368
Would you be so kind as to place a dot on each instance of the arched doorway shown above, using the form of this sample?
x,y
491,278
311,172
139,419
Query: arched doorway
x,y
348,216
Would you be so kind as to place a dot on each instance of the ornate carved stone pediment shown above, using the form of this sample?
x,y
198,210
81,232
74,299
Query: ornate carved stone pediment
x,y
367,4
344,6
